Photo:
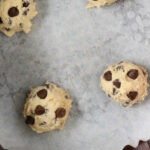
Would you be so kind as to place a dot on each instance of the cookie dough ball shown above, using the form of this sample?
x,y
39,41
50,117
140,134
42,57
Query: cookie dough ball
x,y
99,3
125,83
47,108
16,15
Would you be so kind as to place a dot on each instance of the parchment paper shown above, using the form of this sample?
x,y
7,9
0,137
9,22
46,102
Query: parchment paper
x,y
72,46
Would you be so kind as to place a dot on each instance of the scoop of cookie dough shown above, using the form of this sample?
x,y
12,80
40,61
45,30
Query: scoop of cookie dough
x,y
47,108
125,83
99,3
16,15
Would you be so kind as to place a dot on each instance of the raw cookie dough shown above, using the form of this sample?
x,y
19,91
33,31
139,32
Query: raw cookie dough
x,y
47,108
99,3
16,15
125,83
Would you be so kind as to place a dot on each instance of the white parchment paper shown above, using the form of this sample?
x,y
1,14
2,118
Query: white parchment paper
x,y
72,46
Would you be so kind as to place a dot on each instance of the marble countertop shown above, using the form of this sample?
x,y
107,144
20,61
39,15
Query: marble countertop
x,y
72,46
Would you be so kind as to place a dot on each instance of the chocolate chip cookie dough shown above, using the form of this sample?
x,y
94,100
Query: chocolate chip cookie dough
x,y
125,83
99,3
16,15
47,108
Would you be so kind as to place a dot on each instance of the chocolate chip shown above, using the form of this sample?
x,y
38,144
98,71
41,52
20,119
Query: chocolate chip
x,y
25,12
13,12
25,4
39,110
30,120
120,68
144,73
108,76
117,83
47,85
1,20
60,112
21,25
133,74
42,93
43,123
66,96
7,29
114,91
127,103
132,95
128,147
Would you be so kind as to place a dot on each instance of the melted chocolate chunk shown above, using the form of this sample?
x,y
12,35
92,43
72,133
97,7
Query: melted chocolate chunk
x,y
108,76
42,94
133,74
132,95
25,4
13,12
60,112
39,110
30,120
117,83
1,20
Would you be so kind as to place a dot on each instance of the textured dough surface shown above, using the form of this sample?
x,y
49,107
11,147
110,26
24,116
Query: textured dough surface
x,y
99,3
55,105
125,83
16,15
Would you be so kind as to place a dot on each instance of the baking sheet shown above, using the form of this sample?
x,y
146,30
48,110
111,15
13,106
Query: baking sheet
x,y
72,46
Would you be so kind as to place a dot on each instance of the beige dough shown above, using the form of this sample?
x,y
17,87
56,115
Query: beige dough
x,y
125,83
47,108
99,3
16,15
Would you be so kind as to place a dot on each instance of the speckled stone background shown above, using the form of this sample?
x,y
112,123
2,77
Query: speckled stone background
x,y
72,46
